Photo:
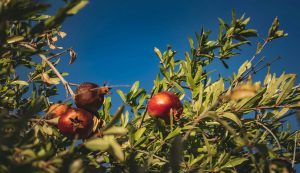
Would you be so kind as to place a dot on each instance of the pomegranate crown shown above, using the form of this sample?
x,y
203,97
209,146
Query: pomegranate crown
x,y
104,90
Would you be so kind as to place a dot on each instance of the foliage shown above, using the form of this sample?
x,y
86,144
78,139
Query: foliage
x,y
228,125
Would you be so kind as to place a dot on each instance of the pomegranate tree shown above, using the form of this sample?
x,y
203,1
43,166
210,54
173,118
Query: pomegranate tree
x,y
230,124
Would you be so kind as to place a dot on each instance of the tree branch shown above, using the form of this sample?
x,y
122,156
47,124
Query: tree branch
x,y
55,55
270,131
64,82
295,147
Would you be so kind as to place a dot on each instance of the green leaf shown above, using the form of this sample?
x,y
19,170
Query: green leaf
x,y
122,95
232,117
259,48
233,14
36,105
48,130
98,144
234,162
158,53
251,101
286,89
19,82
135,86
246,21
191,41
173,133
178,87
40,17
115,118
139,133
236,45
165,73
273,28
15,39
116,150
120,131
54,81
245,66
77,7
280,113
76,166
249,33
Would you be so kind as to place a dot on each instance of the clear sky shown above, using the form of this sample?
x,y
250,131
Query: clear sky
x,y
114,39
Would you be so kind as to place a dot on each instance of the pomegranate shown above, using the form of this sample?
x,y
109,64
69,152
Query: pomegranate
x,y
76,122
90,96
163,104
57,110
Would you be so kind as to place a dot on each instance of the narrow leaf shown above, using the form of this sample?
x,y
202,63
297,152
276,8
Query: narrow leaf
x,y
232,117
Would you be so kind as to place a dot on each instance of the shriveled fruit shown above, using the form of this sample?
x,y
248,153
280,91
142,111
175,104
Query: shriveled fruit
x,y
90,96
164,104
76,122
57,110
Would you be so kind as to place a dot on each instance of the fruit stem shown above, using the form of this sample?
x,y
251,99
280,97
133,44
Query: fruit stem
x,y
55,55
109,86
146,110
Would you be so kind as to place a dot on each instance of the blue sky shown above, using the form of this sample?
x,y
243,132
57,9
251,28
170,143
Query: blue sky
x,y
114,39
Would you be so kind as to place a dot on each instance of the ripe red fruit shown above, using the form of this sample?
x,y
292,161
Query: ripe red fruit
x,y
90,96
57,110
76,122
163,104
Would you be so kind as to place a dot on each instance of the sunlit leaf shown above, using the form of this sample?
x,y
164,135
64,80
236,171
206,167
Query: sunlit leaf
x,y
116,131
98,144
19,82
15,39
174,133
77,7
232,117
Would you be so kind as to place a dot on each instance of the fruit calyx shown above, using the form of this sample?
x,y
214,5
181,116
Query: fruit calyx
x,y
75,122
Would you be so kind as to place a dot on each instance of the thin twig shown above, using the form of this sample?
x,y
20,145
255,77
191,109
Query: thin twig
x,y
145,111
109,86
254,71
266,65
270,107
55,55
252,59
295,147
160,158
252,68
262,47
73,84
270,131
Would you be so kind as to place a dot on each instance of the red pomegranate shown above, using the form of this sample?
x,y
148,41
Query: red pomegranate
x,y
76,122
90,97
57,110
163,104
